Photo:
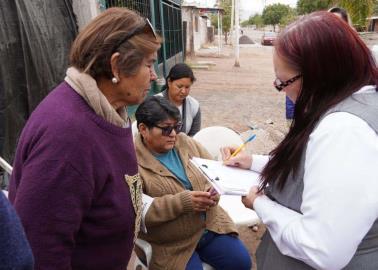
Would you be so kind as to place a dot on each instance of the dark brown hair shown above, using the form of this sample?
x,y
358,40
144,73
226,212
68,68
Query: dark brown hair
x,y
155,109
343,13
93,47
334,63
179,71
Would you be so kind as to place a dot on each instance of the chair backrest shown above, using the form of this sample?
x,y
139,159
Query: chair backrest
x,y
134,129
215,137
6,166
4,180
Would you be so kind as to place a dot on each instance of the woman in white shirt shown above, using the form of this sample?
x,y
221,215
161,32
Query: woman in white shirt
x,y
318,196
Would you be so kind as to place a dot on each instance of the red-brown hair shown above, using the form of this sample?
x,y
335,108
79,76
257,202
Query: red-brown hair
x,y
334,63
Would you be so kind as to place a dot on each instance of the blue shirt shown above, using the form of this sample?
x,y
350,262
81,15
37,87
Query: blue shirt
x,y
172,161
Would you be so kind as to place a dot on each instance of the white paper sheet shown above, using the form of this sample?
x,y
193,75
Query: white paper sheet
x,y
225,179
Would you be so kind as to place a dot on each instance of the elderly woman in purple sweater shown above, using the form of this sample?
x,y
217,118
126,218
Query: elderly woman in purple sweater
x,y
75,183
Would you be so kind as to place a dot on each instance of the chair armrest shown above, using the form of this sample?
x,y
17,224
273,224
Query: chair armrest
x,y
146,248
5,193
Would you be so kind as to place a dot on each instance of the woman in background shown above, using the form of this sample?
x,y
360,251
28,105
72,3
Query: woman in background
x,y
179,81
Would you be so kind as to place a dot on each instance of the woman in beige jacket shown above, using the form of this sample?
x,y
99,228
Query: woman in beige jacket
x,y
184,223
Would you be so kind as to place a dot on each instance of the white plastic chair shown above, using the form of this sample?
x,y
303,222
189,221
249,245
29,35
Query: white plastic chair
x,y
134,129
8,169
5,193
213,138
146,248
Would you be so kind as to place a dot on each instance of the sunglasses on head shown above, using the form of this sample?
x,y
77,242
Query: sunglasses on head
x,y
279,85
145,28
166,131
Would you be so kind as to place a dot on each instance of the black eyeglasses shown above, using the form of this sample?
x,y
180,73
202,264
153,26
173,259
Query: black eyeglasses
x,y
166,131
145,28
279,85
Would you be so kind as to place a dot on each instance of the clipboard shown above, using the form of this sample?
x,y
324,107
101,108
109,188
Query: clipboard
x,y
225,179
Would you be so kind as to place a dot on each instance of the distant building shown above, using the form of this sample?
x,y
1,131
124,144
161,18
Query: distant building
x,y
373,24
197,26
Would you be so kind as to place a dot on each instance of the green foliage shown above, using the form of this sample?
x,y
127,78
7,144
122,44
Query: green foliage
x,y
254,20
257,20
289,18
273,14
308,6
244,23
226,17
375,8
359,11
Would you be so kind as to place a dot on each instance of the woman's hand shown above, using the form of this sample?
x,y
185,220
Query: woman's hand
x,y
214,195
241,160
251,197
202,200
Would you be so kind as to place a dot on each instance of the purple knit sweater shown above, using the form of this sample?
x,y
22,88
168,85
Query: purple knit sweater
x,y
68,185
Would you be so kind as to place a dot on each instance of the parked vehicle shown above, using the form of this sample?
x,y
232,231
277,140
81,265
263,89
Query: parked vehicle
x,y
268,38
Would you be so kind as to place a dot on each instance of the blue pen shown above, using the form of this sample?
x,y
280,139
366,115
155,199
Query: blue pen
x,y
242,146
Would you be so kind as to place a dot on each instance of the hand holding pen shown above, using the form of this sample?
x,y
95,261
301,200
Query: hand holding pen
x,y
235,156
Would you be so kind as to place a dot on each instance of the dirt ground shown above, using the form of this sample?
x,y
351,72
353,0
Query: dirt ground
x,y
242,98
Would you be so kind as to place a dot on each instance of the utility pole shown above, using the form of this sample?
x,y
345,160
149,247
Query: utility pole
x,y
232,22
219,34
237,33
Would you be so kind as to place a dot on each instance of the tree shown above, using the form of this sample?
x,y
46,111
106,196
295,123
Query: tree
x,y
226,18
375,9
359,11
253,20
289,18
273,14
308,6
256,20
245,23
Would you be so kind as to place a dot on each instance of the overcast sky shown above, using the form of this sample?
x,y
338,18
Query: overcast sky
x,y
250,7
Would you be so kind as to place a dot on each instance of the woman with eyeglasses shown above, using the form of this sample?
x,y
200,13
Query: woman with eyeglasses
x,y
75,182
184,223
177,89
318,196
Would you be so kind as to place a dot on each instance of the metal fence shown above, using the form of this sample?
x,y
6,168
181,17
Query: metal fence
x,y
165,15
142,6
173,29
